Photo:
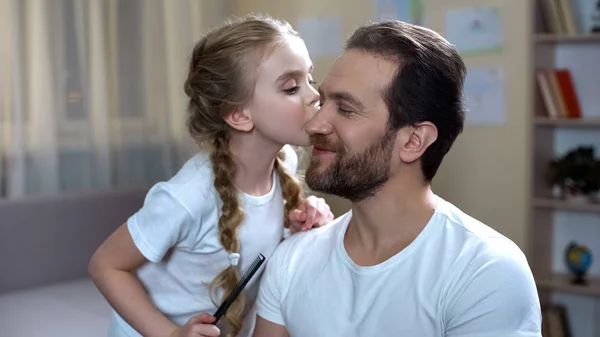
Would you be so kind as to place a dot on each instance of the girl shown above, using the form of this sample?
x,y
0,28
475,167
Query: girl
x,y
250,92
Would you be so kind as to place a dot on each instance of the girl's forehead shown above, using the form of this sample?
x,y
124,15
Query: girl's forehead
x,y
289,55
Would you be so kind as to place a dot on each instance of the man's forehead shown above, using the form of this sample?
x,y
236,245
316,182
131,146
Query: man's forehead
x,y
360,73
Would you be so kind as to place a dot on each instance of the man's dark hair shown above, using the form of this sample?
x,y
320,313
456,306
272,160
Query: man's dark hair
x,y
427,86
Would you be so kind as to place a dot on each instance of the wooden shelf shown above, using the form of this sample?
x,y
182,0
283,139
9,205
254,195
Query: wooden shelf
x,y
562,282
555,38
568,122
575,206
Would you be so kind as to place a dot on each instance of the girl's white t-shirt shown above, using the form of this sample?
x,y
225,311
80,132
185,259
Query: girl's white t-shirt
x,y
177,231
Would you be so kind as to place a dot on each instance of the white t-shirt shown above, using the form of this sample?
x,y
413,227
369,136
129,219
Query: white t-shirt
x,y
457,278
177,231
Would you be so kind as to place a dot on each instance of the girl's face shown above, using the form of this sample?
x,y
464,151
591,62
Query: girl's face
x,y
284,97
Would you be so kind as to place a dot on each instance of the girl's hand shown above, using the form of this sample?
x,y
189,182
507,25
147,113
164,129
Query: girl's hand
x,y
312,212
198,326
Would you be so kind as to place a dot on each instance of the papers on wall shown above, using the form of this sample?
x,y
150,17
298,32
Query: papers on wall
x,y
411,11
475,29
322,35
484,89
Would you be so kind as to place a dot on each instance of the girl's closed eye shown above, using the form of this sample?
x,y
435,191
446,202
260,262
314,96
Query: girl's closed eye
x,y
292,90
291,87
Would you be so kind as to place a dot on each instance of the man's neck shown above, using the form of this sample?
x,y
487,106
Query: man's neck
x,y
386,223
254,158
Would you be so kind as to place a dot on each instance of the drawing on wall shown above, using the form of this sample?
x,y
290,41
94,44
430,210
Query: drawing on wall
x,y
475,29
484,90
411,11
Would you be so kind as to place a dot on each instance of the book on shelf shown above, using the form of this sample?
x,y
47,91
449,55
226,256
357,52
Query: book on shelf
x,y
558,92
560,17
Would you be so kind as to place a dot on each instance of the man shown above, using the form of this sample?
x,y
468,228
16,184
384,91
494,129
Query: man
x,y
403,261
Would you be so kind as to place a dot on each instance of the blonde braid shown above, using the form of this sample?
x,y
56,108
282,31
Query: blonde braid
x,y
231,217
290,187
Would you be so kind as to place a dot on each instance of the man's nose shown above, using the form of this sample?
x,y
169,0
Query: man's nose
x,y
319,125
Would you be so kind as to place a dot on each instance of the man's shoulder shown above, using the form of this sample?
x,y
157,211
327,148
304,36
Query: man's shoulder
x,y
316,237
464,223
305,246
478,241
467,231
478,245
488,273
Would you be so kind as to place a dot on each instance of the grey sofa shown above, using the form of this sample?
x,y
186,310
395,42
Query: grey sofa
x,y
46,240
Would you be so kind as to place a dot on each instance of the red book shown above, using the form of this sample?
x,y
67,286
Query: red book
x,y
568,92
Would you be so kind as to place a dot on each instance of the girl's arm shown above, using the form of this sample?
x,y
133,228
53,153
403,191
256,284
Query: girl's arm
x,y
111,269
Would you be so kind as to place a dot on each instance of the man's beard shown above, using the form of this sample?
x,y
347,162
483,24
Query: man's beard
x,y
352,176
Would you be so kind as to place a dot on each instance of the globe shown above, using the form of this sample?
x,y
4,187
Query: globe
x,y
578,259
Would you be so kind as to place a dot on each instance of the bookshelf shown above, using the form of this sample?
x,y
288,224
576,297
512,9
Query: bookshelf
x,y
572,206
565,115
561,282
565,38
571,122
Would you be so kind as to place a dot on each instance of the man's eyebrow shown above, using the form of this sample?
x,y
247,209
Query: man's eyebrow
x,y
343,96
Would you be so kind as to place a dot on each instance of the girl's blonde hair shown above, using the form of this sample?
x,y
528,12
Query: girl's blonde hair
x,y
222,77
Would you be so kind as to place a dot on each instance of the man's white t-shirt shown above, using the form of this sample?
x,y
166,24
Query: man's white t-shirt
x,y
457,278
177,231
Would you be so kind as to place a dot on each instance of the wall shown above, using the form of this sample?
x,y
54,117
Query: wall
x,y
486,172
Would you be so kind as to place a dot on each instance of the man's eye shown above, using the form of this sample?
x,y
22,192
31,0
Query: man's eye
x,y
343,110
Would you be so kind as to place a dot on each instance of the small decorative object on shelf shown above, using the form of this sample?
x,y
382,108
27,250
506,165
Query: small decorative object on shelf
x,y
578,259
596,19
575,176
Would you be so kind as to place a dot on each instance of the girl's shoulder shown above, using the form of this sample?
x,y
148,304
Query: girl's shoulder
x,y
192,185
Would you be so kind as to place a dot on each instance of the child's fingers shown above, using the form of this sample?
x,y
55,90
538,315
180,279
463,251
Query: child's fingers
x,y
311,214
206,330
202,319
297,216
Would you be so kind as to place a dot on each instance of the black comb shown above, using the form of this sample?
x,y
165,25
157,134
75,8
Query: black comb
x,y
260,259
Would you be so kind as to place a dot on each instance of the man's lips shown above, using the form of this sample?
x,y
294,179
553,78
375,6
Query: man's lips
x,y
320,151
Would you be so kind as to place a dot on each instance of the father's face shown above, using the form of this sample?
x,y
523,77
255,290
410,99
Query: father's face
x,y
352,143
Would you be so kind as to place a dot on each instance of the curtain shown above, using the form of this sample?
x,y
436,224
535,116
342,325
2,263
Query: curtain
x,y
91,91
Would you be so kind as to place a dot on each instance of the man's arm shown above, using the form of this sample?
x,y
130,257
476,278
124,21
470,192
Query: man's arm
x,y
494,296
264,328
270,319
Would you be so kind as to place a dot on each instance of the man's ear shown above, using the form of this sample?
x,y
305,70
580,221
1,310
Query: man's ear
x,y
239,119
414,140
